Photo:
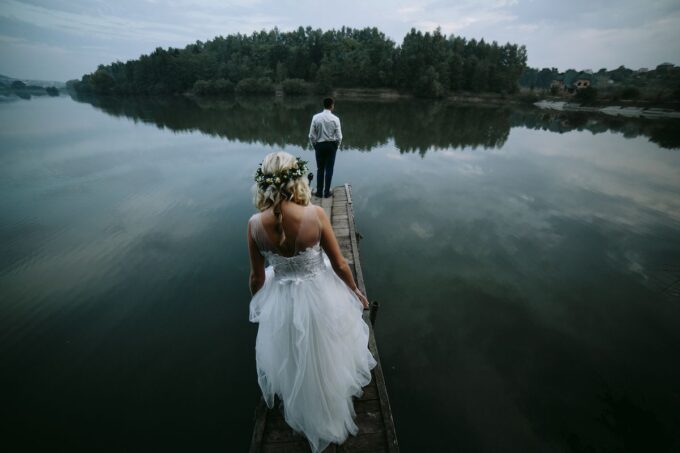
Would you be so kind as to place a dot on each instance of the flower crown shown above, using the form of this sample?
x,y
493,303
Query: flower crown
x,y
280,179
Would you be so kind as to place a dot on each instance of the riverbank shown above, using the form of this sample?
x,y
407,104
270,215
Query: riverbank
x,y
391,94
7,95
387,95
520,98
637,110
612,110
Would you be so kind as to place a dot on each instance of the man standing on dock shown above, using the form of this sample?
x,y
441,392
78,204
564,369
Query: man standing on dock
x,y
325,135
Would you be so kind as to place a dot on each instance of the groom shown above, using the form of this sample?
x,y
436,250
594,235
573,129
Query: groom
x,y
325,135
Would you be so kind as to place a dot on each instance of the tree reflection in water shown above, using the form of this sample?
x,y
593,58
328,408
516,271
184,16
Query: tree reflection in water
x,y
413,125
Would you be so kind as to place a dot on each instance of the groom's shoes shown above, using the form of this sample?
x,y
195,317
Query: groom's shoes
x,y
319,194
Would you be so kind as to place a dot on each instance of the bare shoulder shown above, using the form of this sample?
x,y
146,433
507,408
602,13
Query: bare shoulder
x,y
253,218
320,214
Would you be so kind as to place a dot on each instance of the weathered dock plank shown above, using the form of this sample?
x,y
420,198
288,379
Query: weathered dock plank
x,y
373,412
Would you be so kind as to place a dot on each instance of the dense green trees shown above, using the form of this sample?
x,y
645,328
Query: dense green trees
x,y
586,96
430,64
630,93
535,78
427,64
294,86
250,85
217,87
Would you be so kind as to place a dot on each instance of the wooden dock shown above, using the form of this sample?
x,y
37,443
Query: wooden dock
x,y
374,416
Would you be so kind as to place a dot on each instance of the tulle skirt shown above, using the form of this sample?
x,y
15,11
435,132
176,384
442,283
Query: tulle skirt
x,y
312,351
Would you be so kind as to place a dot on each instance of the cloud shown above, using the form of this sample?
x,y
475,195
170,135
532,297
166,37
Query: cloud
x,y
89,25
595,47
576,34
456,17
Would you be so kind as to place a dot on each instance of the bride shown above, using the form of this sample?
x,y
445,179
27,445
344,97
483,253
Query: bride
x,y
312,343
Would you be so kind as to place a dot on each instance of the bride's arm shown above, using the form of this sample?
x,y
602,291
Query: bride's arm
x,y
329,243
256,265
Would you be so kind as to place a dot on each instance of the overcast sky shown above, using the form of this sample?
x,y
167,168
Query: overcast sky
x,y
62,39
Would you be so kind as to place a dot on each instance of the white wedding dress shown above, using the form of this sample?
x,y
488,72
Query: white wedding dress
x,y
312,343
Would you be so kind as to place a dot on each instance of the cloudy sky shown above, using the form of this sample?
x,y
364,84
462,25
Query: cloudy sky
x,y
62,39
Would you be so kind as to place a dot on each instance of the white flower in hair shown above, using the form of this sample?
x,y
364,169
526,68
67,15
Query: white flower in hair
x,y
265,182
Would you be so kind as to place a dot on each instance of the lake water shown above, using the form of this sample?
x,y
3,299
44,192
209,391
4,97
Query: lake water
x,y
526,262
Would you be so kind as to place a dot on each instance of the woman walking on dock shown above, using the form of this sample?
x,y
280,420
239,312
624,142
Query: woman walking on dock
x,y
312,343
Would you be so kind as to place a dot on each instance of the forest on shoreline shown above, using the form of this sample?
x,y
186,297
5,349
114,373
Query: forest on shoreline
x,y
308,60
425,64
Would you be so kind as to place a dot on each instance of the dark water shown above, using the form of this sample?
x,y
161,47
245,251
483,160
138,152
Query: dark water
x,y
525,263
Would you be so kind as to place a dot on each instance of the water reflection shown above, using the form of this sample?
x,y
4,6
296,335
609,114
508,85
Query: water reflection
x,y
519,306
415,126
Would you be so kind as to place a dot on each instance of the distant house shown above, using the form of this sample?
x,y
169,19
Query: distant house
x,y
570,82
582,81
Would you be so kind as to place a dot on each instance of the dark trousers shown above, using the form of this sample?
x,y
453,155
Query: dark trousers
x,y
325,160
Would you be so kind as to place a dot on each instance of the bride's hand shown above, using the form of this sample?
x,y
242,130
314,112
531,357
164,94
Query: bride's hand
x,y
361,297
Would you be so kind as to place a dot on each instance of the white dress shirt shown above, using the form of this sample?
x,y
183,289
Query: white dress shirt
x,y
325,128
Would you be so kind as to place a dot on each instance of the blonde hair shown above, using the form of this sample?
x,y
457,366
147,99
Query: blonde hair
x,y
296,190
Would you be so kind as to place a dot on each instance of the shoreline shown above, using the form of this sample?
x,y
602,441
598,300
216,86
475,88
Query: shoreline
x,y
641,110
651,112
638,110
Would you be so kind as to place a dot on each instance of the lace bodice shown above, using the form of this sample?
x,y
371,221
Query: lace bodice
x,y
305,264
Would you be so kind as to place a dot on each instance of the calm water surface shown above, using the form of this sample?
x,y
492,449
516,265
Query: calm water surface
x,y
525,262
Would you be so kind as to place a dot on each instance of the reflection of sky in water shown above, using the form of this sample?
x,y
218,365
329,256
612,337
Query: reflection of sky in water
x,y
517,283
526,271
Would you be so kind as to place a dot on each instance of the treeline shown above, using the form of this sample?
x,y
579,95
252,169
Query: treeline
x,y
664,74
25,91
304,60
662,82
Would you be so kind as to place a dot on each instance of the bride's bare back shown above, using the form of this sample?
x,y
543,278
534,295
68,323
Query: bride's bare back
x,y
301,226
